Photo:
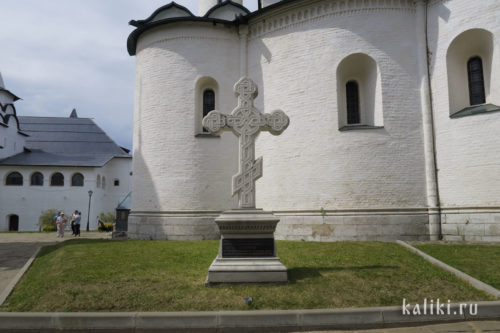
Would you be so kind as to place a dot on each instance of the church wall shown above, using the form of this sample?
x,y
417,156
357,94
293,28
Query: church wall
x,y
185,177
28,201
467,150
328,184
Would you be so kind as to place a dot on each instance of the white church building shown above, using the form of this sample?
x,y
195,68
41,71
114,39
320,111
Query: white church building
x,y
393,104
56,163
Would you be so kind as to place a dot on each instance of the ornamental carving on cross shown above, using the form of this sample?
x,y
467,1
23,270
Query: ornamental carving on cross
x,y
246,122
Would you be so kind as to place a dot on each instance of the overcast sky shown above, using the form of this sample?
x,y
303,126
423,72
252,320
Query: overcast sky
x,y
63,54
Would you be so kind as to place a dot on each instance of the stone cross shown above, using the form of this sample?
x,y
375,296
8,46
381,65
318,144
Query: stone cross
x,y
246,122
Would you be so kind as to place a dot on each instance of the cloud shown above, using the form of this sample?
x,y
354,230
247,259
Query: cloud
x,y
63,54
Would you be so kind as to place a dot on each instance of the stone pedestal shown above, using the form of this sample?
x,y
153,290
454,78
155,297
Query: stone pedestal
x,y
247,251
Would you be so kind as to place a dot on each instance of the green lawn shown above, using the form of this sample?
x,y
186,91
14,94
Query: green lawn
x,y
104,275
479,261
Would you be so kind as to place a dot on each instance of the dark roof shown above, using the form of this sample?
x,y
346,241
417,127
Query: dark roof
x,y
158,11
149,23
224,4
64,142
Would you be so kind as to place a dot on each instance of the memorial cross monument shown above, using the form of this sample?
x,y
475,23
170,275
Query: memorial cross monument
x,y
247,251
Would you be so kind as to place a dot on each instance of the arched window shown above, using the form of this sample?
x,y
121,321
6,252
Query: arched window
x,y
36,179
77,179
103,182
14,179
352,100
476,81
208,102
57,179
98,181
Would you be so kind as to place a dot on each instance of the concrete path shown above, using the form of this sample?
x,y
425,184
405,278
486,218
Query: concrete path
x,y
17,248
462,327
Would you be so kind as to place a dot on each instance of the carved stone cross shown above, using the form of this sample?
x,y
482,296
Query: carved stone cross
x,y
246,122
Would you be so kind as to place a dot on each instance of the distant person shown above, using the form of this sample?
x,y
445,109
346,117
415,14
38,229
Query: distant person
x,y
78,218
61,224
55,221
73,217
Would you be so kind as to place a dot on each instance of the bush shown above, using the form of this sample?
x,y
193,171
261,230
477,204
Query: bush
x,y
47,228
107,217
108,226
46,221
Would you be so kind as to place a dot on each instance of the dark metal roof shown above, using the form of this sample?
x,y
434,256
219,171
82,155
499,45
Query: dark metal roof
x,y
138,23
149,23
144,25
64,142
224,4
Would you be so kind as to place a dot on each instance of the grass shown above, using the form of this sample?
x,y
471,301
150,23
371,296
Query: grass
x,y
103,275
479,261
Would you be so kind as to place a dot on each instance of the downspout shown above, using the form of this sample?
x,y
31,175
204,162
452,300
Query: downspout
x,y
432,193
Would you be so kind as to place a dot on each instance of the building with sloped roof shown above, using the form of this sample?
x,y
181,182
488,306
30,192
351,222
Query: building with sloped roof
x,y
61,163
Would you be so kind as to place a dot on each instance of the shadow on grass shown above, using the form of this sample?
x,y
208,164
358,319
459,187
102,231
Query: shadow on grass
x,y
72,242
296,274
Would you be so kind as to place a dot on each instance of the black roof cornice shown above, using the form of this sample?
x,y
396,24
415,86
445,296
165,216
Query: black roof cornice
x,y
159,10
134,36
223,4
144,25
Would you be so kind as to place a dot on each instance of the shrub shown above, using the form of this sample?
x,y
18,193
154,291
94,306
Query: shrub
x,y
46,221
47,228
107,217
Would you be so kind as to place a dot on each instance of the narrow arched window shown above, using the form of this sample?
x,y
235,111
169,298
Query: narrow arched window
x,y
98,181
77,179
352,100
208,102
476,81
36,179
57,179
14,179
103,182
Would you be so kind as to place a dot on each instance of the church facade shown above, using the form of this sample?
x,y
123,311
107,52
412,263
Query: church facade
x,y
62,163
394,130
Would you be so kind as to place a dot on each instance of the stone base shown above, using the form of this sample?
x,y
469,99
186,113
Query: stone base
x,y
247,251
246,270
120,235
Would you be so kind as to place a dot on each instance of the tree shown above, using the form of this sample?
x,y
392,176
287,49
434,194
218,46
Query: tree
x,y
47,221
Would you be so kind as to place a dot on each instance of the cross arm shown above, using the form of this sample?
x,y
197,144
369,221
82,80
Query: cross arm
x,y
276,122
215,122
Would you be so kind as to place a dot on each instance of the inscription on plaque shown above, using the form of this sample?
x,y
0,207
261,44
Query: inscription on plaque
x,y
248,247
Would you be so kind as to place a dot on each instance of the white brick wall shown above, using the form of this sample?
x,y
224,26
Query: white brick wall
x,y
377,175
468,150
28,201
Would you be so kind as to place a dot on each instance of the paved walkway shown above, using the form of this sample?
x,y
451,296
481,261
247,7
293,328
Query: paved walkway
x,y
462,327
17,248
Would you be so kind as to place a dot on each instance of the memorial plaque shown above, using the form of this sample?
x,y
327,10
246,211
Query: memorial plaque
x,y
247,247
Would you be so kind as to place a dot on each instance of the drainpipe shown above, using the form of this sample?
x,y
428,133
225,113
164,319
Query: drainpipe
x,y
427,122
